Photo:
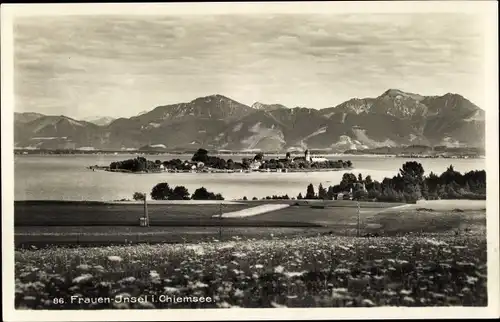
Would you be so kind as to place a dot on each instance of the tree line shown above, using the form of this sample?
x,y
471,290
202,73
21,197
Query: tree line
x,y
409,185
202,159
163,191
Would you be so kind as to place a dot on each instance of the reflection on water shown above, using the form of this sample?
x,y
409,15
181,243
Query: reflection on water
x,y
66,177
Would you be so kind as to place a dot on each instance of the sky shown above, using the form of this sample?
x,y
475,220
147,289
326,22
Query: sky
x,y
119,66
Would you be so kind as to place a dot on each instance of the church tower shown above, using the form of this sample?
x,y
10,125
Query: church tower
x,y
307,155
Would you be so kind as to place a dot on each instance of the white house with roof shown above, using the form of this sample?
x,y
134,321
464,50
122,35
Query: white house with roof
x,y
318,159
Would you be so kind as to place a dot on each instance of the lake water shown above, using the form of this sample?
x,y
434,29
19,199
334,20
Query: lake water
x,y
65,177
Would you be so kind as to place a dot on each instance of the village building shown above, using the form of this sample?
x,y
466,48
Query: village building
x,y
255,165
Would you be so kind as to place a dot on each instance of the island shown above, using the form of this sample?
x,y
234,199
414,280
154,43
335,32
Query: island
x,y
202,162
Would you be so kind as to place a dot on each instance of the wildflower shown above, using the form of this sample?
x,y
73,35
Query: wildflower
x,y
279,269
128,280
115,259
367,302
120,305
146,305
408,299
258,266
339,290
276,305
239,255
169,289
238,293
228,246
82,278
98,268
471,280
200,285
83,267
294,274
224,305
438,295
405,292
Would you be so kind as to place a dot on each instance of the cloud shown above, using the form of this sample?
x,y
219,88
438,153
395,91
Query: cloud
x,y
87,64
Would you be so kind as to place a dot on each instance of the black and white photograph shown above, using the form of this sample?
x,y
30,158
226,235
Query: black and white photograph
x,y
282,160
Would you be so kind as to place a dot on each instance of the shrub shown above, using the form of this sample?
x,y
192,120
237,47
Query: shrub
x,y
139,196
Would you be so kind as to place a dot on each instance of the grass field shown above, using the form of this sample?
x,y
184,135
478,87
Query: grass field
x,y
46,213
429,255
42,223
30,237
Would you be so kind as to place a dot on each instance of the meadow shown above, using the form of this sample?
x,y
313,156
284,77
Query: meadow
x,y
323,271
423,257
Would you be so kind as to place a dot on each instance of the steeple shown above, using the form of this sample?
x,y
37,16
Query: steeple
x,y
307,156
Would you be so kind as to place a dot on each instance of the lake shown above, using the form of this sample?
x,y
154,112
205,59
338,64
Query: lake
x,y
65,177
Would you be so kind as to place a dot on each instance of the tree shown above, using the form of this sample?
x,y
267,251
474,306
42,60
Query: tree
x,y
330,193
368,180
413,172
360,194
161,191
425,190
349,163
201,194
200,156
310,194
299,197
230,164
441,191
258,157
180,193
220,163
348,179
374,194
245,198
321,192
139,196
360,177
245,162
255,198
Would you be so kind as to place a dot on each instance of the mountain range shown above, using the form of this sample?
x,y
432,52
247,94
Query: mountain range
x,y
395,118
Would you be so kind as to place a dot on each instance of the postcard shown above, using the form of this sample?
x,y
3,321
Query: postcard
x,y
250,160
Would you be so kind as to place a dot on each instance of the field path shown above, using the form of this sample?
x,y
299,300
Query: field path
x,y
254,211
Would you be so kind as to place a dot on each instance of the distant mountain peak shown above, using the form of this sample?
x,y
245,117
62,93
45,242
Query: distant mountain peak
x,y
211,97
267,107
100,120
393,93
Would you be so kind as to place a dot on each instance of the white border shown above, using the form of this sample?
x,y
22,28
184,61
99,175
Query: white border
x,y
489,11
